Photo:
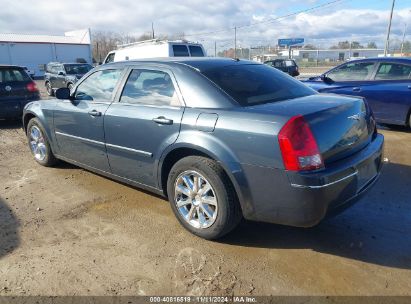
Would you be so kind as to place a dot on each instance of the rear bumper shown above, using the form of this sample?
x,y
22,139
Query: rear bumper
x,y
304,199
12,108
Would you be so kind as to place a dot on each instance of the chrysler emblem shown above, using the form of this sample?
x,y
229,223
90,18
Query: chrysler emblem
x,y
8,88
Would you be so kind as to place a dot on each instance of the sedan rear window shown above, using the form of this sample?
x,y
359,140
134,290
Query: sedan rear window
x,y
13,74
256,84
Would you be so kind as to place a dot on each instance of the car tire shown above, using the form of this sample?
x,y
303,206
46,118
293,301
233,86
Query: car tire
x,y
39,144
49,89
211,209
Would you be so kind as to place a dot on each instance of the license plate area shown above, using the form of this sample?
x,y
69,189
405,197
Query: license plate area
x,y
366,172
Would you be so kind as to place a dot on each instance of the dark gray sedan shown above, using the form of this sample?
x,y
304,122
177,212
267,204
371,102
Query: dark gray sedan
x,y
222,139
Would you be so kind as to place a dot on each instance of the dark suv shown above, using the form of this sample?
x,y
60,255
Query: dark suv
x,y
64,75
288,66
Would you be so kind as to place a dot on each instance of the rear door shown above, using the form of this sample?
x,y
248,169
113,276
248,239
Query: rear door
x,y
145,120
390,93
78,123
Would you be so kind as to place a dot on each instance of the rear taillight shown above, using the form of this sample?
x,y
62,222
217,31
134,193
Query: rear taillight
x,y
32,87
298,146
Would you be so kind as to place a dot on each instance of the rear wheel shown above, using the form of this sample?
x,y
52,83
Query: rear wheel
x,y
49,89
39,144
202,197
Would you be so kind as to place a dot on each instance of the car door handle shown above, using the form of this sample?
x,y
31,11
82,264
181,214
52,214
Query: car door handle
x,y
409,87
94,113
163,121
357,89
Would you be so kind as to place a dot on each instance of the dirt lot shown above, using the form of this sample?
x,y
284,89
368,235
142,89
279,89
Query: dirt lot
x,y
65,231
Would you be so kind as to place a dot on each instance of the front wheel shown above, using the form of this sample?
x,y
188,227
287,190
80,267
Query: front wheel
x,y
49,88
203,198
39,144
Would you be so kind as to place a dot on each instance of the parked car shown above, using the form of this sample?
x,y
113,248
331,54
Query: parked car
x,y
288,66
63,75
29,72
16,90
220,138
156,48
384,82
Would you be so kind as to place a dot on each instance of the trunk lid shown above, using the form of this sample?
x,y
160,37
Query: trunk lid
x,y
341,125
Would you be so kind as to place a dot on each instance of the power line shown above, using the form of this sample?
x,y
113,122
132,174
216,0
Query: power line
x,y
270,20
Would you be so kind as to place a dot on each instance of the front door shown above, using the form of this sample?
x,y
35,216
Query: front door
x,y
145,120
79,123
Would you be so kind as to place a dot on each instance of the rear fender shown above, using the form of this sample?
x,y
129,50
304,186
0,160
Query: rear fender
x,y
209,145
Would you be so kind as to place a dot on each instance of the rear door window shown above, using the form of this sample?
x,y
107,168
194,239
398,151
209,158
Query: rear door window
x,y
354,71
180,51
393,71
196,51
149,87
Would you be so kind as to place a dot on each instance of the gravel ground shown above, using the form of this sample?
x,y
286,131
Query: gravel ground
x,y
65,231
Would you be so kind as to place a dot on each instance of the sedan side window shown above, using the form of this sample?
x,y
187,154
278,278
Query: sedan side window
x,y
98,86
149,87
393,71
355,71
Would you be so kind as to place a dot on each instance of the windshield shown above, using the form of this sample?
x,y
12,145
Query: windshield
x,y
256,84
73,69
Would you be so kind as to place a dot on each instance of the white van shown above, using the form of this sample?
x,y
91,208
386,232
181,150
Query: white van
x,y
155,48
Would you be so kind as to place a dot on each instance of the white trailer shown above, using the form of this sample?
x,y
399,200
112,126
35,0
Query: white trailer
x,y
155,48
35,51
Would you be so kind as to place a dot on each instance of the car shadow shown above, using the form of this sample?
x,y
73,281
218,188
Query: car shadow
x,y
375,230
9,233
396,128
11,124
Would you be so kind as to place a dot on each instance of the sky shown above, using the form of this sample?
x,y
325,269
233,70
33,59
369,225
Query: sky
x,y
211,22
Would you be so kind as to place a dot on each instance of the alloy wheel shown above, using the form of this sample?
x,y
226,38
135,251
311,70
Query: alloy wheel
x,y
37,144
195,199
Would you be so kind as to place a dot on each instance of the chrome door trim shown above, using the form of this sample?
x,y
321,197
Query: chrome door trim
x,y
148,154
130,150
81,138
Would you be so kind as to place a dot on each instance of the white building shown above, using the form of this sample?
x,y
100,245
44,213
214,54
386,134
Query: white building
x,y
35,51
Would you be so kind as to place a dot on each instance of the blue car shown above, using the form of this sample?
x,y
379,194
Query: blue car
x,y
384,82
222,139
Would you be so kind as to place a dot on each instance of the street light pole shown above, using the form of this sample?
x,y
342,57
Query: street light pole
x,y
387,41
235,42
403,39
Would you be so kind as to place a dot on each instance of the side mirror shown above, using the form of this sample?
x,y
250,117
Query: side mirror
x,y
326,79
63,93
62,74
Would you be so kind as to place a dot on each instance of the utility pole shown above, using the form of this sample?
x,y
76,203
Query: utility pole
x,y
387,41
152,29
235,42
403,39
215,48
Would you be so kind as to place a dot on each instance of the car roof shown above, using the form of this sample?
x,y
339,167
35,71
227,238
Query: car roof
x,y
10,66
384,59
199,63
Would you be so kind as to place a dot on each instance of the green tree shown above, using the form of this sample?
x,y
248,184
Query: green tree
x,y
371,45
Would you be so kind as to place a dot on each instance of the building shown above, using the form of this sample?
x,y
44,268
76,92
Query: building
x,y
332,55
35,51
326,55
